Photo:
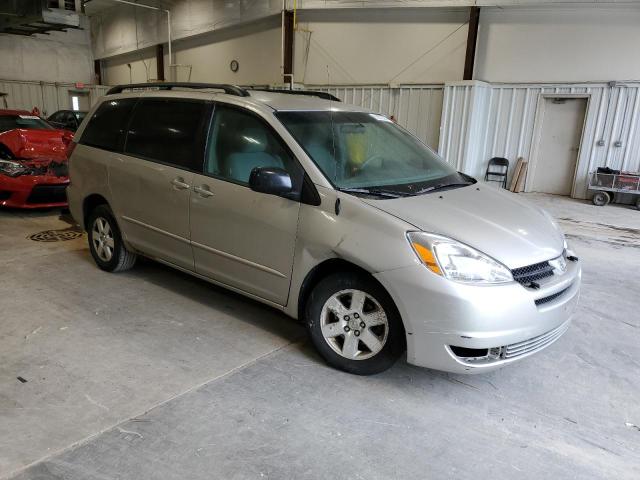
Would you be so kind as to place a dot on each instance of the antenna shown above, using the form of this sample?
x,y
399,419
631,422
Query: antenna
x,y
333,137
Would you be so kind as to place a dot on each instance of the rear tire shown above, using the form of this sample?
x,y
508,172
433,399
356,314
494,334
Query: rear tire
x,y
105,241
354,324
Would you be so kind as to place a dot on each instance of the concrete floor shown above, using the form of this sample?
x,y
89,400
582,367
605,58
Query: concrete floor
x,y
154,374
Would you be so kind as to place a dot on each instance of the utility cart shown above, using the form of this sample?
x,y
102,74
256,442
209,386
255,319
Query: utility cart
x,y
606,182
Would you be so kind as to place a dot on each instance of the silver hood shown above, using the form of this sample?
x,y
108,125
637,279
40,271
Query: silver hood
x,y
496,222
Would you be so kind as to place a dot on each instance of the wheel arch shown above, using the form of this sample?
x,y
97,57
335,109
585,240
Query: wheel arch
x,y
89,204
329,267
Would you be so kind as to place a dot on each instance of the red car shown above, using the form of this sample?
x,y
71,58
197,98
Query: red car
x,y
33,161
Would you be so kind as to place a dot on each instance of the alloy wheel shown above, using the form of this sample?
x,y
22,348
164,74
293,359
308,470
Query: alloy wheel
x,y
102,237
354,324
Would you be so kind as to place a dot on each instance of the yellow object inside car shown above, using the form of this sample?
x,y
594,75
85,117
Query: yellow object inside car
x,y
356,148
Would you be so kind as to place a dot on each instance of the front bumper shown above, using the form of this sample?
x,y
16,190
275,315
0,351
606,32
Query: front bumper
x,y
33,191
503,320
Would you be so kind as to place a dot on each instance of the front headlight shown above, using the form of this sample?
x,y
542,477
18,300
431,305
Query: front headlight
x,y
458,262
568,252
11,168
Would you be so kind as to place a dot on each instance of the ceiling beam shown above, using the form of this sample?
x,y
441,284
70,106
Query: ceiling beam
x,y
472,40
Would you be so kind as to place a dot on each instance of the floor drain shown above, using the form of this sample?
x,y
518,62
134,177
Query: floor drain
x,y
61,235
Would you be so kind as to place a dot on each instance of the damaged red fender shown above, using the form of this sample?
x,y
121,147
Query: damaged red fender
x,y
43,154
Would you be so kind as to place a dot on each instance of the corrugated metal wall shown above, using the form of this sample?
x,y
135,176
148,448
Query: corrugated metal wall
x,y
48,97
481,121
418,108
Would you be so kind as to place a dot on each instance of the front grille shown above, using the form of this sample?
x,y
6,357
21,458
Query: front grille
x,y
550,298
4,195
47,194
533,344
532,273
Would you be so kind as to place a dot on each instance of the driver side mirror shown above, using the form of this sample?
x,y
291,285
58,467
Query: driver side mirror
x,y
271,180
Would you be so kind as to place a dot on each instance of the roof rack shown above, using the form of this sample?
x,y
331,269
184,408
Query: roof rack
x,y
229,89
307,93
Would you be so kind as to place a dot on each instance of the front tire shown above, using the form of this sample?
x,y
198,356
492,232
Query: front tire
x,y
105,241
354,324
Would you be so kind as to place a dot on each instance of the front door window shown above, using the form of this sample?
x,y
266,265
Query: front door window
x,y
239,142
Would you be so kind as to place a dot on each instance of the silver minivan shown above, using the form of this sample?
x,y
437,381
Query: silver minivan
x,y
329,212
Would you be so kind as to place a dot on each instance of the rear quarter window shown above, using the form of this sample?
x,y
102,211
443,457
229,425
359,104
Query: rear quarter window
x,y
108,124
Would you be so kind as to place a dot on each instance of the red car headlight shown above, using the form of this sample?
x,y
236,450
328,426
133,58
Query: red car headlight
x,y
11,168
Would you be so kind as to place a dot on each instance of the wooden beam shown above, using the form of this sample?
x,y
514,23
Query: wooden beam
x,y
472,39
160,63
288,46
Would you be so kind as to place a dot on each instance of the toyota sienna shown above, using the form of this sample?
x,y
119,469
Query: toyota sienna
x,y
329,212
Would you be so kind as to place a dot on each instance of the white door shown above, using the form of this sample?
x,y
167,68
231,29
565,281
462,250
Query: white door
x,y
79,101
559,145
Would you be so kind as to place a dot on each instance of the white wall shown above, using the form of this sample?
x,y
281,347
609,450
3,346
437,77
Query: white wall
x,y
418,108
482,120
391,45
405,45
124,29
57,57
47,96
142,68
362,46
559,44
255,46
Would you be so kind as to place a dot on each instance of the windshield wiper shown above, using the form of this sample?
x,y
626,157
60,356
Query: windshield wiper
x,y
396,194
375,191
442,186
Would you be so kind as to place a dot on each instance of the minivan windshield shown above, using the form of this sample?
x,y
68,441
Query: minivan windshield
x,y
367,153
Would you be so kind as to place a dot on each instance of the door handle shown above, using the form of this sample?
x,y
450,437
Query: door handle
x,y
203,191
179,183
